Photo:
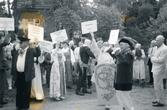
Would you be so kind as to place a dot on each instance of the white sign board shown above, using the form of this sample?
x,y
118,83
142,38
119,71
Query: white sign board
x,y
113,36
6,24
35,33
89,26
46,46
59,36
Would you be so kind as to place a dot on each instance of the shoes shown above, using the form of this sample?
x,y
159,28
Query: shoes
x,y
87,92
80,93
107,108
56,99
154,102
1,105
4,102
158,104
69,87
62,98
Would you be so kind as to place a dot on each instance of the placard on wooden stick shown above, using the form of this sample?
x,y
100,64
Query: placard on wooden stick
x,y
59,36
89,26
113,36
46,46
6,24
35,33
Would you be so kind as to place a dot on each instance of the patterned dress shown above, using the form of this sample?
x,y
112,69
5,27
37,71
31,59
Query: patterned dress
x,y
54,76
61,60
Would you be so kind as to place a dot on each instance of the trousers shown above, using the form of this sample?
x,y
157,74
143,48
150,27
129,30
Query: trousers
x,y
158,87
3,84
23,91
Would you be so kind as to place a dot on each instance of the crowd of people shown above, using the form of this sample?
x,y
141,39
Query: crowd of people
x,y
26,67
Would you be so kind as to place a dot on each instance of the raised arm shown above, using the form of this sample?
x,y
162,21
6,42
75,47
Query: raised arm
x,y
94,47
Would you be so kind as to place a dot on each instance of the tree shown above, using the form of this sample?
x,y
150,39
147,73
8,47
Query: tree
x,y
68,19
2,10
158,25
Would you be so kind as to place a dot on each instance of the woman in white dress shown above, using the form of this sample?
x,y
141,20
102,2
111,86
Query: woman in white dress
x,y
61,59
55,76
139,64
37,89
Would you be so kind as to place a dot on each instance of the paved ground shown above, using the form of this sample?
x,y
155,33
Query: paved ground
x,y
142,98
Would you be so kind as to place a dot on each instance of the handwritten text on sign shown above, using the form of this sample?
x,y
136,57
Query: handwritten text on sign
x,y
6,24
89,26
35,33
113,36
46,46
59,36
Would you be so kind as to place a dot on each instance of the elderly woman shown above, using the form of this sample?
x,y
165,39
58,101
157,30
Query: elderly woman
x,y
124,73
139,65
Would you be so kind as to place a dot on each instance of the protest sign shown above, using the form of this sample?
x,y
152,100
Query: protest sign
x,y
104,81
59,36
6,24
113,36
35,33
46,46
89,26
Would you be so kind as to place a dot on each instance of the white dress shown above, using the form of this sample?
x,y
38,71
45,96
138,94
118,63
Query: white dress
x,y
36,89
54,76
139,67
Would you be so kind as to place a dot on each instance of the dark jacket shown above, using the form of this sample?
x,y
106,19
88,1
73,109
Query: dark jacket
x,y
85,54
2,55
124,73
29,63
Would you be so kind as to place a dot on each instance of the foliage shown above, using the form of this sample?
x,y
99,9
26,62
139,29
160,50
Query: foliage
x,y
68,18
107,17
138,20
158,26
2,10
144,13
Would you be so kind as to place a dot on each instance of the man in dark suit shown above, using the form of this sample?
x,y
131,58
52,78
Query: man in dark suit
x,y
4,40
25,72
85,55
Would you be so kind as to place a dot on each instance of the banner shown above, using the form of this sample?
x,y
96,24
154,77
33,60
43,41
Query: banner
x,y
89,26
104,81
46,46
59,36
6,24
35,33
113,39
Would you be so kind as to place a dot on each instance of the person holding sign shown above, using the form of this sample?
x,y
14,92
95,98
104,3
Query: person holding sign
x,y
104,71
36,89
25,71
124,73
